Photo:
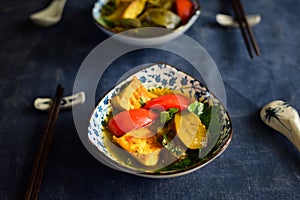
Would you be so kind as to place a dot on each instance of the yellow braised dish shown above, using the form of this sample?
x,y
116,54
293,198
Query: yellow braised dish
x,y
158,128
121,15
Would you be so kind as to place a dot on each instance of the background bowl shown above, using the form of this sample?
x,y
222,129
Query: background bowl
x,y
145,36
165,76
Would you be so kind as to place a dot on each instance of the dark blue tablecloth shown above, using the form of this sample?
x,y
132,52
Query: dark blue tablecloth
x,y
260,163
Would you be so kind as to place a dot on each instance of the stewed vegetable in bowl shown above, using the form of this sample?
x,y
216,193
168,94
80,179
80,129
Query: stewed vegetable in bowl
x,y
135,18
160,122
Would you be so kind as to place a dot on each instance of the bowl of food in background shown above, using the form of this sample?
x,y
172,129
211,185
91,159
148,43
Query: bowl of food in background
x,y
159,123
145,22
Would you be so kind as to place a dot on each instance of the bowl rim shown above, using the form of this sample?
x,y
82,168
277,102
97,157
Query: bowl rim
x,y
212,155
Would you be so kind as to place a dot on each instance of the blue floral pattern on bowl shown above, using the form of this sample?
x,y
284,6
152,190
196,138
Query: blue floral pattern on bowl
x,y
160,76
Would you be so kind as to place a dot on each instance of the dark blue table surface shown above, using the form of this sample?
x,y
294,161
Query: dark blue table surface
x,y
260,163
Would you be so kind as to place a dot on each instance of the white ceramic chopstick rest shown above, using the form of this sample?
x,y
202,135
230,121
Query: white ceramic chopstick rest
x,y
50,15
228,21
284,118
44,104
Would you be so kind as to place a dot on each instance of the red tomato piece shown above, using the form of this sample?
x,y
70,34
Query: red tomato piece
x,y
128,120
168,101
184,9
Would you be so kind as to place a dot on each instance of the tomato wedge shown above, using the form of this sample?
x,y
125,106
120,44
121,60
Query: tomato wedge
x,y
184,9
168,101
128,120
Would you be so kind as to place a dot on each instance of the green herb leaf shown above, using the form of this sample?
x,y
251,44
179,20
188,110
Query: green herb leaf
x,y
213,124
172,111
209,115
205,117
166,116
196,107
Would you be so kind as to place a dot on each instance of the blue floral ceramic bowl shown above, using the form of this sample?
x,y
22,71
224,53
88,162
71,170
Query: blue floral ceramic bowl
x,y
159,76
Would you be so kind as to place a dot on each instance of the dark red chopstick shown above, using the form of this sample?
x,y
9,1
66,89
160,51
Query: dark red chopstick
x,y
35,180
245,28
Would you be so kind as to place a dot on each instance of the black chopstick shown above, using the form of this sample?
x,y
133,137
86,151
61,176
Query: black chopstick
x,y
243,24
41,158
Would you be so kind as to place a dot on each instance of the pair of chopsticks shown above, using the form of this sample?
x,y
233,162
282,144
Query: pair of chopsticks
x,y
245,28
41,158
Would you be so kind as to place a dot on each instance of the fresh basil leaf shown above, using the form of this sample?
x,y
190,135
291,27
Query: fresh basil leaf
x,y
210,114
166,116
193,106
206,116
211,117
196,107
173,111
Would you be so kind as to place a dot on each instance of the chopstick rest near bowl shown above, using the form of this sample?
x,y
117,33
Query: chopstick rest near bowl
x,y
44,104
284,118
228,21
